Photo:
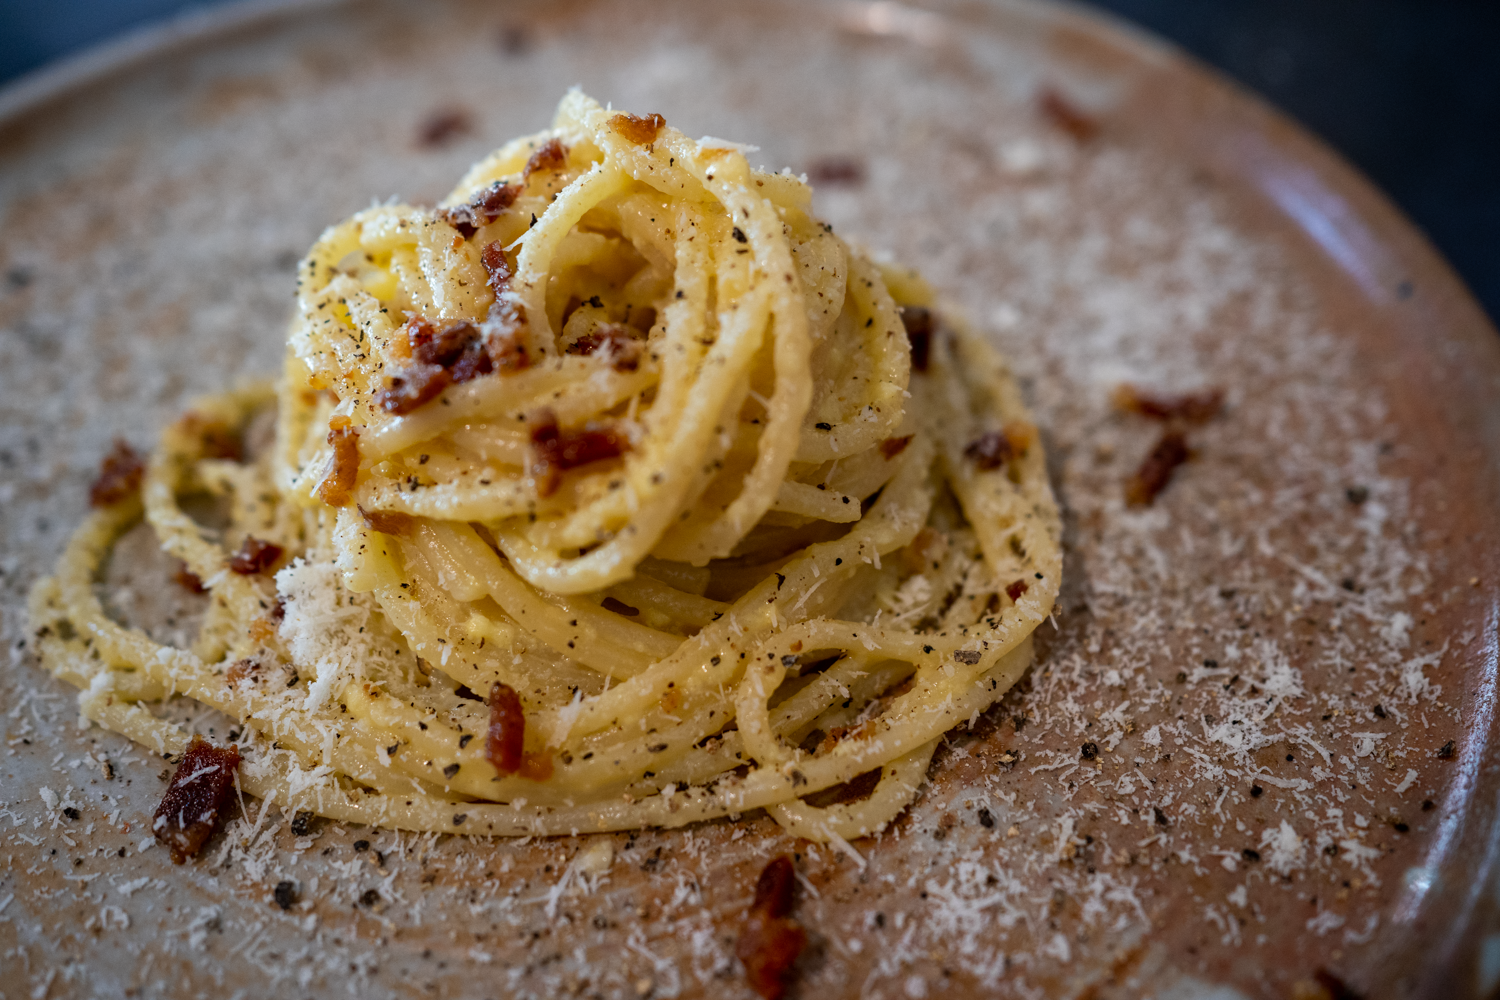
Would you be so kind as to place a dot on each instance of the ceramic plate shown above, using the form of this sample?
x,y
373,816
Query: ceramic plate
x,y
1286,664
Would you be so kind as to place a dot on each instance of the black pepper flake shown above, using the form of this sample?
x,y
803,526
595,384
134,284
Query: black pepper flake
x,y
285,894
369,898
463,740
739,235
1357,494
822,426
1161,817
361,845
450,770
1250,854
1089,751
1446,752
986,819
302,824
71,813
459,819
1379,711
1256,791
1427,805
1401,827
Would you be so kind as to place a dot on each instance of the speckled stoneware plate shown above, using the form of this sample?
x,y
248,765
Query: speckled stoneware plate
x,y
1271,660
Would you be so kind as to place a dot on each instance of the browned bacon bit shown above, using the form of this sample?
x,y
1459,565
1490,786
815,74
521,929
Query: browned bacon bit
x,y
443,126
197,799
254,556
891,447
1021,436
834,170
506,351
388,522
412,386
551,155
482,209
337,486
1063,113
496,266
640,131
918,323
457,347
1016,589
262,631
504,327
239,670
615,340
1192,407
1156,471
554,450
507,734
990,451
189,581
119,476
771,941
535,766
439,358
417,332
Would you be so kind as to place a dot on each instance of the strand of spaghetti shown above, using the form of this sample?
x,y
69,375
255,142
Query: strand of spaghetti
x,y
899,782
482,399
758,789
760,225
861,398
169,669
665,607
541,241
597,638
896,517
662,474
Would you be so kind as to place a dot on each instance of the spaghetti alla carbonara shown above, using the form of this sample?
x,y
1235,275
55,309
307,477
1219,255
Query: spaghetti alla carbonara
x,y
615,491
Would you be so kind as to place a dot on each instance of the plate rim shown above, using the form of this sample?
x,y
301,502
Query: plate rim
x,y
1445,300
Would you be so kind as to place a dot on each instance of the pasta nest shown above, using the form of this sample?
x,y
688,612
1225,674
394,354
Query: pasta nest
x,y
740,517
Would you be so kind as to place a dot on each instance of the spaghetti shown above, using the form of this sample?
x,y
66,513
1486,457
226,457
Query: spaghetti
x,y
616,491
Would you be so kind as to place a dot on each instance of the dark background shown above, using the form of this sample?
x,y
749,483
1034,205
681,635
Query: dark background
x,y
1409,90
